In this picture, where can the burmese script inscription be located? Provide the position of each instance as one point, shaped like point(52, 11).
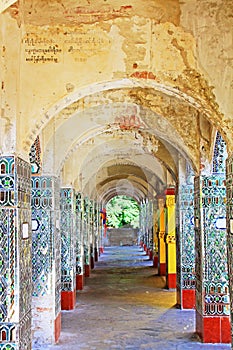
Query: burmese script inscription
point(42, 50)
point(77, 45)
point(83, 45)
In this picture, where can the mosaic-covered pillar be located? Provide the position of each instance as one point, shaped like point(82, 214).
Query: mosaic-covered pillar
point(161, 237)
point(15, 254)
point(96, 231)
point(145, 226)
point(155, 234)
point(86, 237)
point(101, 228)
point(46, 255)
point(229, 190)
point(79, 244)
point(170, 238)
point(212, 282)
point(150, 229)
point(141, 225)
point(94, 228)
point(91, 233)
point(68, 248)
point(186, 248)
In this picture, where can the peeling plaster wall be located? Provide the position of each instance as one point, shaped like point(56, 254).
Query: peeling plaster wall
point(70, 45)
point(9, 80)
point(211, 23)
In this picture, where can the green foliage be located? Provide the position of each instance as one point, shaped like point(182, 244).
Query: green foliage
point(122, 210)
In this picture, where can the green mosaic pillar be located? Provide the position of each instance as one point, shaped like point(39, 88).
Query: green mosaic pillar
point(15, 254)
point(68, 248)
point(46, 260)
point(86, 237)
point(229, 188)
point(212, 282)
point(186, 247)
point(79, 244)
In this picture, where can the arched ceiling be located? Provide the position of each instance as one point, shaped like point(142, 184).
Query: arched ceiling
point(125, 177)
point(108, 110)
point(115, 129)
point(123, 186)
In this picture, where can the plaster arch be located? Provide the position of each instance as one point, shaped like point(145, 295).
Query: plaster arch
point(126, 83)
point(90, 130)
point(113, 152)
point(120, 152)
point(122, 180)
point(112, 189)
point(138, 97)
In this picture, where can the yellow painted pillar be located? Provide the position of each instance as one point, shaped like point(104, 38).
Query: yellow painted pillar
point(161, 243)
point(171, 238)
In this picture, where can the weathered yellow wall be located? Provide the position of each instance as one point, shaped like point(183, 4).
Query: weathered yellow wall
point(66, 46)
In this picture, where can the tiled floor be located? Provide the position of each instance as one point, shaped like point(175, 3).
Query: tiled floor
point(124, 306)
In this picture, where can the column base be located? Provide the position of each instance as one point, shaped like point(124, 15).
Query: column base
point(155, 261)
point(188, 299)
point(79, 282)
point(215, 329)
point(68, 300)
point(87, 270)
point(162, 269)
point(57, 327)
point(145, 247)
point(171, 281)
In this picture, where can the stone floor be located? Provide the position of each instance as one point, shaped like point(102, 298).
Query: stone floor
point(124, 306)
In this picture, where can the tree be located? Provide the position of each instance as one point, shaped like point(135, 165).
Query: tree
point(122, 210)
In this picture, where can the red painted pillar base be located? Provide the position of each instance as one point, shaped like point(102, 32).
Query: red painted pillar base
point(87, 270)
point(68, 300)
point(171, 281)
point(188, 299)
point(79, 282)
point(145, 247)
point(57, 327)
point(101, 250)
point(155, 261)
point(92, 262)
point(216, 329)
point(162, 269)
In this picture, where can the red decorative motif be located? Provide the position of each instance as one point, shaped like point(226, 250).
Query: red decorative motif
point(143, 75)
point(129, 122)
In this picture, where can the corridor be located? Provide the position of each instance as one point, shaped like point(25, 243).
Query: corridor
point(124, 305)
